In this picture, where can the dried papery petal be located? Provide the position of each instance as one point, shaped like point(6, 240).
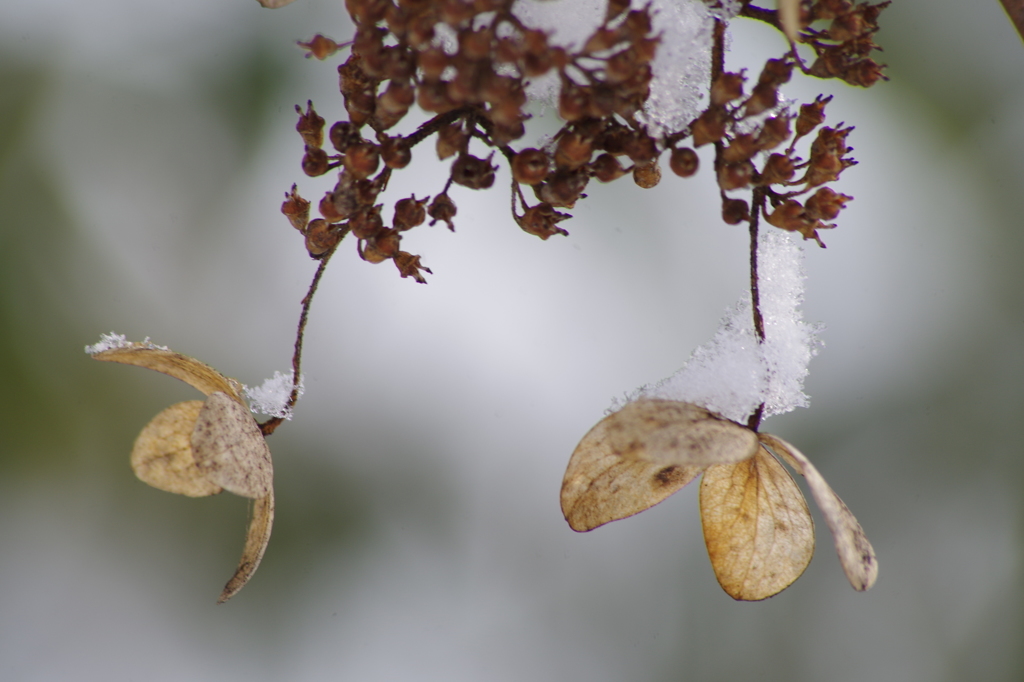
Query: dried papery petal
point(757, 528)
point(162, 456)
point(789, 17)
point(856, 555)
point(229, 448)
point(260, 523)
point(636, 457)
point(196, 374)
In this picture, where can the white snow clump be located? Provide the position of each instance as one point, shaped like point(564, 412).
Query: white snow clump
point(732, 373)
point(271, 397)
point(113, 340)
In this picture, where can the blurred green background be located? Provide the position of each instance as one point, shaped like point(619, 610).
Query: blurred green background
point(144, 151)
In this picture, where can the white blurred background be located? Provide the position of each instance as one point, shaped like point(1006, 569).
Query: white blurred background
point(144, 151)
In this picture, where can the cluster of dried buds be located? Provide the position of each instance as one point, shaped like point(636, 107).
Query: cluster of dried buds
point(732, 110)
point(842, 49)
point(467, 62)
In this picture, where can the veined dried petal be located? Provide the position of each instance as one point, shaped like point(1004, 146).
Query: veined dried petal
point(856, 555)
point(757, 528)
point(196, 374)
point(229, 448)
point(162, 455)
point(636, 457)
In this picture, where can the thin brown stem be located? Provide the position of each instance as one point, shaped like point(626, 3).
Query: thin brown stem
point(768, 16)
point(269, 426)
point(435, 124)
point(755, 290)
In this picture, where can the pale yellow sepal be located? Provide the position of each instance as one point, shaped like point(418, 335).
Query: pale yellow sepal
point(757, 528)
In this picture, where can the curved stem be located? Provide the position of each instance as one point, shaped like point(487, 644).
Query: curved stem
point(269, 426)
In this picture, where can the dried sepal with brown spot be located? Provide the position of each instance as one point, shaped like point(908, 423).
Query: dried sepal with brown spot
point(757, 528)
point(198, 448)
point(636, 457)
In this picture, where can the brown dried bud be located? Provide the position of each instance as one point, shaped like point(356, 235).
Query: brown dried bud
point(573, 150)
point(726, 88)
point(472, 172)
point(541, 220)
point(764, 97)
point(370, 253)
point(343, 134)
point(442, 208)
point(396, 99)
point(296, 209)
point(573, 102)
point(362, 159)
point(410, 266)
point(775, 72)
point(454, 12)
point(825, 204)
point(563, 187)
point(684, 162)
point(476, 44)
point(451, 140)
point(409, 213)
point(607, 168)
point(735, 175)
point(847, 27)
point(615, 139)
point(647, 176)
point(315, 162)
point(811, 115)
point(395, 152)
point(742, 148)
point(366, 223)
point(790, 215)
point(327, 209)
point(360, 106)
point(503, 134)
point(829, 9)
point(638, 23)
point(386, 242)
point(530, 166)
point(310, 125)
point(778, 169)
point(433, 61)
point(864, 73)
point(774, 132)
point(710, 127)
point(620, 67)
point(321, 237)
point(642, 149)
point(615, 8)
point(735, 211)
point(320, 47)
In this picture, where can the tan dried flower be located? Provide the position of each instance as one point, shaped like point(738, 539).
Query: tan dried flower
point(199, 448)
point(757, 528)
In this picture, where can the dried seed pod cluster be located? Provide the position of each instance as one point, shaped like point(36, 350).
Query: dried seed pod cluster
point(468, 62)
